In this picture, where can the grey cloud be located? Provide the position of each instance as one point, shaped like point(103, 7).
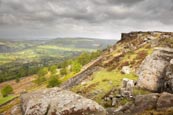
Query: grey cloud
point(83, 17)
point(117, 2)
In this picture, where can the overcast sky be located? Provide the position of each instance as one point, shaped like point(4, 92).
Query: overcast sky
point(84, 18)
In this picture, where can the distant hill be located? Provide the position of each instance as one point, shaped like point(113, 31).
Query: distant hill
point(89, 43)
point(7, 46)
point(17, 56)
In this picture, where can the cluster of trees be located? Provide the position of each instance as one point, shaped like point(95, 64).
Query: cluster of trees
point(51, 80)
point(77, 62)
point(41, 76)
point(16, 71)
point(69, 66)
point(72, 65)
point(21, 68)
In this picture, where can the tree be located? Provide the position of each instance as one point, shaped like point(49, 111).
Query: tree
point(84, 58)
point(6, 90)
point(95, 54)
point(53, 82)
point(43, 71)
point(76, 66)
point(53, 69)
point(63, 71)
point(40, 80)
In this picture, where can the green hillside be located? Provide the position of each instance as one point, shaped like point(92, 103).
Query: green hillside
point(22, 58)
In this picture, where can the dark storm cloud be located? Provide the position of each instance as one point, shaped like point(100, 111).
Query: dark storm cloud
point(92, 18)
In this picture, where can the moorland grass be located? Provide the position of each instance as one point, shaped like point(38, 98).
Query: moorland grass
point(6, 99)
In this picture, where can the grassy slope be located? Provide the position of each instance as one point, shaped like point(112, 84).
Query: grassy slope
point(6, 99)
point(102, 82)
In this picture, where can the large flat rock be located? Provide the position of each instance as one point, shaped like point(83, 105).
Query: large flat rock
point(55, 101)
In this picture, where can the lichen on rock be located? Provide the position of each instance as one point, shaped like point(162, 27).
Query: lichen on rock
point(152, 70)
point(55, 101)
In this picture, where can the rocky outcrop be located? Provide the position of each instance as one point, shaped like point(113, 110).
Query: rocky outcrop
point(142, 103)
point(168, 79)
point(127, 87)
point(153, 70)
point(55, 101)
point(114, 97)
point(145, 36)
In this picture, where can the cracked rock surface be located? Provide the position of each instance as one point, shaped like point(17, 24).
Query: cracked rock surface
point(153, 72)
point(55, 101)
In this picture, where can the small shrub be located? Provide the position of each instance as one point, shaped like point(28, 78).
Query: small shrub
point(52, 69)
point(40, 80)
point(63, 71)
point(43, 71)
point(76, 66)
point(53, 82)
point(6, 90)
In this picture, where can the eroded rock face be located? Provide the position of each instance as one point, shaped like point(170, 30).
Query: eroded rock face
point(152, 72)
point(55, 101)
point(168, 79)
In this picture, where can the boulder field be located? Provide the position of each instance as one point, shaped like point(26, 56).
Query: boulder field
point(149, 104)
